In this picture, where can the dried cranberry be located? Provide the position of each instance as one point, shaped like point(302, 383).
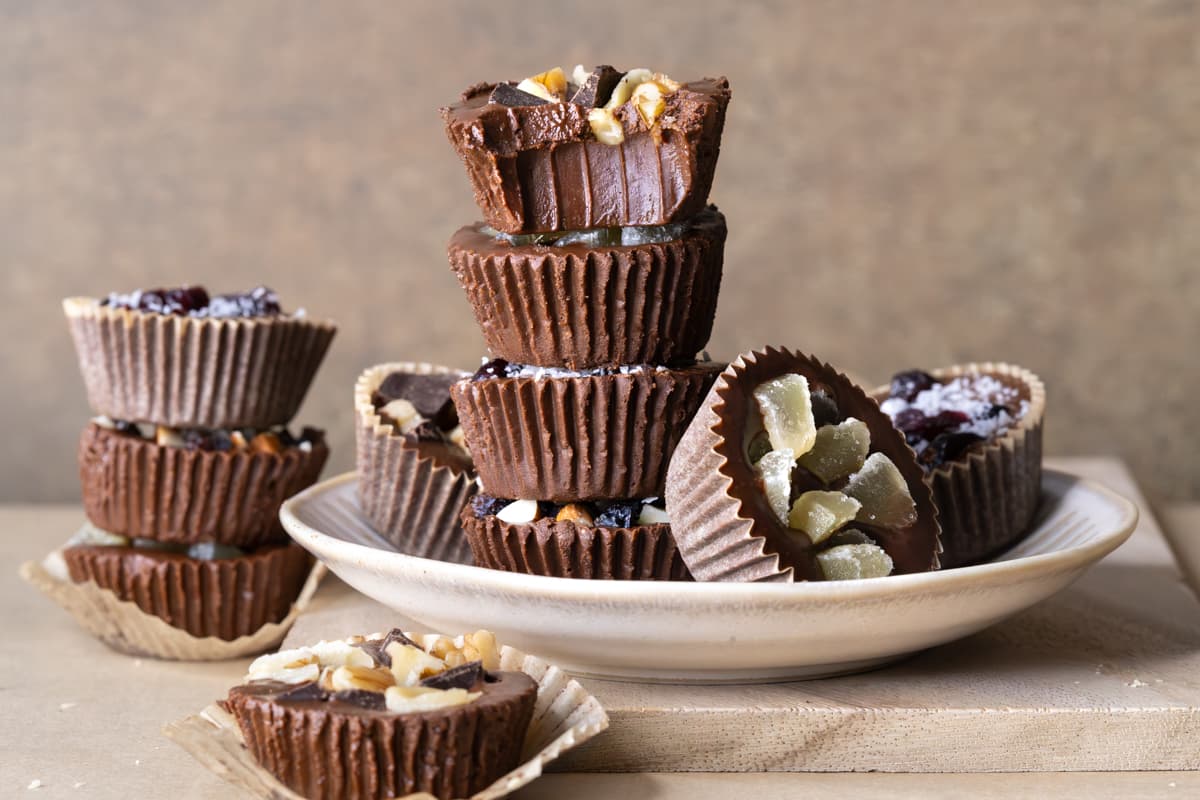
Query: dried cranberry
point(484, 505)
point(910, 383)
point(198, 440)
point(496, 368)
point(127, 428)
point(619, 514)
point(910, 422)
point(947, 447)
point(944, 422)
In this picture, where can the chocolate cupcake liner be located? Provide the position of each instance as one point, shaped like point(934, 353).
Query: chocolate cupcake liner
point(579, 438)
point(987, 499)
point(136, 488)
point(187, 372)
point(565, 716)
point(124, 626)
point(406, 496)
point(716, 507)
point(562, 549)
point(581, 307)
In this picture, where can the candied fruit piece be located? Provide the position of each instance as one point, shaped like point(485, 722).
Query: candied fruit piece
point(849, 562)
point(775, 471)
point(883, 493)
point(820, 514)
point(838, 450)
point(787, 414)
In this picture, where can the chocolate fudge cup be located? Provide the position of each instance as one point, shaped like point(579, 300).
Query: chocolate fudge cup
point(225, 598)
point(195, 372)
point(579, 437)
point(581, 307)
point(563, 549)
point(986, 499)
point(721, 519)
point(136, 488)
point(408, 493)
point(540, 168)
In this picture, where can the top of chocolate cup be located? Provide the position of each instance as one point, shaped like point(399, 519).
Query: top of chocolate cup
point(721, 519)
point(195, 372)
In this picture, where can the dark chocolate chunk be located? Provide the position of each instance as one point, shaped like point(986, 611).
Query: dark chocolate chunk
point(429, 394)
point(947, 447)
point(496, 368)
point(127, 428)
point(910, 383)
point(377, 648)
point(464, 676)
point(549, 509)
point(619, 514)
point(598, 87)
point(824, 408)
point(506, 94)
point(372, 701)
point(427, 432)
point(305, 691)
point(484, 505)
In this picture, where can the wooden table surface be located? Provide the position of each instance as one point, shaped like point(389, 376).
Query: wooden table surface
point(83, 721)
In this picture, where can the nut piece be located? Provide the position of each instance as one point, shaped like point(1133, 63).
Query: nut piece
point(819, 514)
point(883, 493)
point(605, 126)
point(166, 437)
point(775, 471)
point(652, 515)
point(403, 413)
point(519, 512)
point(410, 664)
point(649, 100)
point(369, 679)
point(848, 562)
point(624, 88)
point(401, 699)
point(838, 450)
point(266, 442)
point(574, 512)
point(551, 85)
point(287, 666)
point(238, 440)
point(341, 654)
point(484, 647)
point(787, 416)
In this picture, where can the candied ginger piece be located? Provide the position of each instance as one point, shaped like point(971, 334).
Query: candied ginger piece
point(775, 470)
point(820, 514)
point(786, 408)
point(883, 493)
point(849, 562)
point(838, 450)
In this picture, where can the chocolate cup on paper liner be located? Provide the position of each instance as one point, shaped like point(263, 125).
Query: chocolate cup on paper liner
point(539, 168)
point(188, 372)
point(406, 493)
point(579, 438)
point(721, 520)
point(987, 498)
point(125, 626)
point(136, 488)
point(564, 716)
point(562, 549)
point(579, 307)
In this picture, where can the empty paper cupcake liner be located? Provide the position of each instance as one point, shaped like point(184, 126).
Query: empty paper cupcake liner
point(136, 488)
point(409, 498)
point(565, 716)
point(580, 307)
point(187, 372)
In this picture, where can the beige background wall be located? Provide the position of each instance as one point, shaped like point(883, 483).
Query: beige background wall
point(907, 183)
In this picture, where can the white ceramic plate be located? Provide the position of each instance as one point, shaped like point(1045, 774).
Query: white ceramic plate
point(717, 632)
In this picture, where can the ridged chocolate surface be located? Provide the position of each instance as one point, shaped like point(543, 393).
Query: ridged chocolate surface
point(225, 598)
point(136, 488)
point(189, 372)
point(539, 168)
point(566, 550)
point(579, 438)
point(324, 753)
point(406, 495)
point(582, 307)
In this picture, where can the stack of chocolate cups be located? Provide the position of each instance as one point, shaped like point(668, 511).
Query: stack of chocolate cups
point(594, 282)
point(186, 464)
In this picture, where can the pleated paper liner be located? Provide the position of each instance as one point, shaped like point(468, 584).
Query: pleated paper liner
point(580, 307)
point(565, 716)
point(987, 499)
point(562, 549)
point(136, 488)
point(124, 626)
point(579, 438)
point(721, 520)
point(408, 497)
point(187, 372)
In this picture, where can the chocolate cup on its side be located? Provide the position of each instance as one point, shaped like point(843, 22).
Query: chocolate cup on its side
point(987, 498)
point(225, 598)
point(187, 372)
point(322, 753)
point(539, 168)
point(562, 549)
point(724, 526)
point(139, 489)
point(579, 438)
point(406, 493)
point(580, 307)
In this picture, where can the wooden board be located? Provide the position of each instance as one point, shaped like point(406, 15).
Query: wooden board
point(1104, 676)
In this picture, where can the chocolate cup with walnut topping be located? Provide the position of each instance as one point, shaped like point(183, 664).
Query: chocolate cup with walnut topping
point(723, 523)
point(410, 491)
point(195, 372)
point(539, 168)
point(987, 497)
point(579, 306)
point(136, 488)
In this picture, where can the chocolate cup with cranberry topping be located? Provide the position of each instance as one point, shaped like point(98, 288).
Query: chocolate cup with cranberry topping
point(410, 490)
point(136, 488)
point(195, 372)
point(564, 549)
point(986, 498)
point(721, 519)
point(579, 307)
point(589, 437)
point(539, 168)
point(225, 598)
point(323, 749)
